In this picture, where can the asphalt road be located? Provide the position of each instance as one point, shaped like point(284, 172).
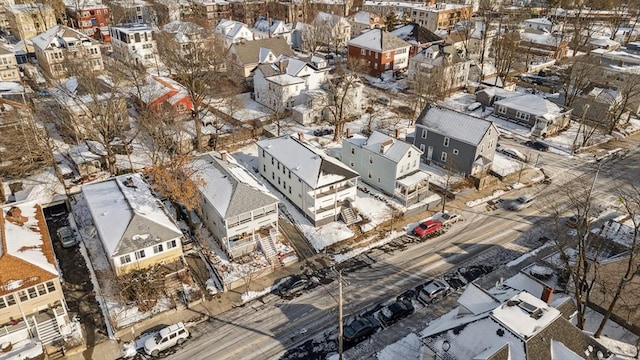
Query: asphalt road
point(264, 330)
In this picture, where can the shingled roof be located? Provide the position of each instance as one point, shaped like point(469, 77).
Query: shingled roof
point(378, 40)
point(249, 51)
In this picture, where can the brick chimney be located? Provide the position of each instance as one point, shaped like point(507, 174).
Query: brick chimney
point(547, 294)
point(348, 133)
point(300, 136)
point(223, 155)
point(282, 65)
point(397, 133)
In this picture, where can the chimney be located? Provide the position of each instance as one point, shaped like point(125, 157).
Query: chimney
point(223, 155)
point(282, 65)
point(300, 136)
point(348, 133)
point(397, 133)
point(547, 294)
point(385, 146)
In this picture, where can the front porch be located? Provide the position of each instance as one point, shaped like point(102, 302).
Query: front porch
point(412, 188)
point(43, 325)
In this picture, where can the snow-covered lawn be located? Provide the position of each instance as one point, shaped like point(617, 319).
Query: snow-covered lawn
point(565, 140)
point(504, 165)
point(326, 235)
point(250, 295)
point(355, 252)
point(374, 210)
point(244, 108)
point(483, 200)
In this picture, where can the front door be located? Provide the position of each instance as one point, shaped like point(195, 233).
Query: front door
point(429, 153)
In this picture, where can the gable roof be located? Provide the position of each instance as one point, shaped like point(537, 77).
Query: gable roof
point(57, 36)
point(26, 252)
point(330, 20)
point(229, 187)
point(250, 52)
point(230, 28)
point(378, 40)
point(415, 33)
point(395, 152)
point(532, 104)
point(128, 218)
point(454, 124)
point(309, 163)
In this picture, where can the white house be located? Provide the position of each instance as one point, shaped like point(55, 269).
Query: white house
point(133, 226)
point(233, 31)
point(280, 84)
point(387, 164)
point(441, 64)
point(266, 28)
point(133, 42)
point(332, 30)
point(317, 184)
point(317, 104)
point(542, 24)
point(237, 208)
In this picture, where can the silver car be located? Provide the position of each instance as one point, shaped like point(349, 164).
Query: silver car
point(66, 236)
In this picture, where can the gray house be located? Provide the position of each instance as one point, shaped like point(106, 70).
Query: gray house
point(461, 142)
point(387, 164)
point(543, 116)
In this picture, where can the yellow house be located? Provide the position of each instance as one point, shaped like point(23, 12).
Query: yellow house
point(31, 300)
point(8, 65)
point(135, 230)
point(28, 20)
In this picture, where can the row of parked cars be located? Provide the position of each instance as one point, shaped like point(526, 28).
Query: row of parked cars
point(436, 224)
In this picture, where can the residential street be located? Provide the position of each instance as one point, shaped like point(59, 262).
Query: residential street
point(264, 330)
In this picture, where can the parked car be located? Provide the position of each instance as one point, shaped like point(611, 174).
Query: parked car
point(427, 228)
point(293, 285)
point(166, 338)
point(396, 311)
point(322, 132)
point(522, 202)
point(360, 329)
point(575, 221)
point(433, 291)
point(447, 219)
point(473, 106)
point(383, 101)
point(66, 236)
point(513, 153)
point(538, 145)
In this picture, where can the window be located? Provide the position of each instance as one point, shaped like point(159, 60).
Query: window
point(140, 254)
point(32, 293)
point(502, 110)
point(273, 176)
point(351, 163)
point(3, 304)
point(171, 244)
point(422, 147)
point(51, 286)
point(370, 159)
point(264, 168)
point(446, 142)
point(278, 180)
point(376, 55)
point(424, 133)
point(157, 249)
point(362, 52)
point(353, 151)
point(369, 174)
point(387, 55)
point(522, 116)
point(263, 152)
point(289, 189)
point(41, 289)
point(409, 155)
point(443, 156)
point(125, 259)
point(378, 180)
point(11, 300)
point(455, 152)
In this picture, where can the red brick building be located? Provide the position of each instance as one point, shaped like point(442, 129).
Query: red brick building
point(163, 94)
point(91, 19)
point(379, 51)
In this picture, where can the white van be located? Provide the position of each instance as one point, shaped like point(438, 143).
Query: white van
point(167, 337)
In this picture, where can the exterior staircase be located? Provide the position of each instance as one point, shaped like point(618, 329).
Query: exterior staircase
point(48, 332)
point(269, 249)
point(348, 216)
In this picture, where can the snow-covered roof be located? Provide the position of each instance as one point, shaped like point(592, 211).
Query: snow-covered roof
point(621, 232)
point(525, 315)
point(59, 36)
point(43, 188)
point(413, 178)
point(531, 104)
point(183, 31)
point(309, 163)
point(26, 252)
point(363, 17)
point(395, 149)
point(603, 42)
point(229, 187)
point(541, 21)
point(233, 29)
point(455, 125)
point(541, 39)
point(156, 87)
point(330, 20)
point(131, 28)
point(477, 301)
point(560, 351)
point(127, 216)
point(378, 40)
point(87, 150)
point(285, 80)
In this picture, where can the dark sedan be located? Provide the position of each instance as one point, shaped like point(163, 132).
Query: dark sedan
point(293, 285)
point(396, 311)
point(360, 329)
point(538, 145)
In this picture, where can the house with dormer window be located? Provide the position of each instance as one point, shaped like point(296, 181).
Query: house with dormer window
point(245, 56)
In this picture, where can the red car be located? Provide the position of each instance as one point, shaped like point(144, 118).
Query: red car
point(427, 228)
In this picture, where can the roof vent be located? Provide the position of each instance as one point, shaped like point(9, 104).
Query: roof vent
point(500, 332)
point(128, 182)
point(513, 302)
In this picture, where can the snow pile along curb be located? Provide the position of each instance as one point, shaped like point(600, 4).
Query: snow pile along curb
point(473, 203)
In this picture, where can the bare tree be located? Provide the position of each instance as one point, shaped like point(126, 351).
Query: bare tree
point(311, 38)
point(576, 78)
point(341, 88)
point(629, 92)
point(178, 181)
point(199, 67)
point(506, 53)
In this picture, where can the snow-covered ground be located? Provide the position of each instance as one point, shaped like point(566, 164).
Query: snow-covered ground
point(242, 107)
point(504, 165)
point(373, 210)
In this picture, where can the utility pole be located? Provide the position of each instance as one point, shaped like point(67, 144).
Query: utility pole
point(340, 345)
